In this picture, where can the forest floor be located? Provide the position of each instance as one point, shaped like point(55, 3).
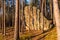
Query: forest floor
point(49, 35)
point(37, 35)
point(52, 35)
point(1, 37)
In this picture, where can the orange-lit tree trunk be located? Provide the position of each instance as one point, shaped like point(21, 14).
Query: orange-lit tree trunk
point(57, 18)
point(16, 32)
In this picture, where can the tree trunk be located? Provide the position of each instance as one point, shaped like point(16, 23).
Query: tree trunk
point(23, 17)
point(16, 33)
point(4, 16)
point(57, 18)
point(51, 8)
point(42, 27)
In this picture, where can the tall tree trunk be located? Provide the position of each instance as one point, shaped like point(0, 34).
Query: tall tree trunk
point(12, 14)
point(57, 18)
point(23, 17)
point(16, 33)
point(42, 27)
point(4, 16)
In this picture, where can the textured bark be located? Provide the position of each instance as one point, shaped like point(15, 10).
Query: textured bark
point(57, 17)
point(16, 32)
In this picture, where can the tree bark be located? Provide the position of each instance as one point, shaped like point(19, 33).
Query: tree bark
point(42, 24)
point(57, 18)
point(16, 33)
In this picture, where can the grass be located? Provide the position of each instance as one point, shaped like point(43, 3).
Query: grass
point(52, 35)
